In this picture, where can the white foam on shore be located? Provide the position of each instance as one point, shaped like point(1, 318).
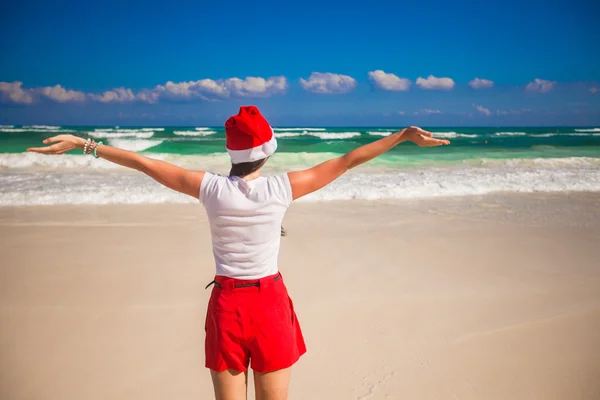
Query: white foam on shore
point(34, 161)
point(69, 162)
point(121, 186)
point(31, 178)
point(279, 161)
point(588, 130)
point(586, 162)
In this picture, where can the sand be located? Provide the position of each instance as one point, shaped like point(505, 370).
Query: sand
point(492, 297)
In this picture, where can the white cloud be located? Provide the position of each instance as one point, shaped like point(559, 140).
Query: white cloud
point(482, 110)
point(256, 87)
point(202, 89)
point(401, 112)
point(207, 89)
point(388, 81)
point(118, 95)
point(594, 90)
point(60, 94)
point(513, 111)
point(328, 83)
point(540, 85)
point(427, 111)
point(149, 96)
point(478, 83)
point(433, 83)
point(13, 92)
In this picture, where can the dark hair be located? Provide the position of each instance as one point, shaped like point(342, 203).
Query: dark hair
point(246, 168)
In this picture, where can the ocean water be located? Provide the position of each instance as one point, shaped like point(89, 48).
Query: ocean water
point(479, 161)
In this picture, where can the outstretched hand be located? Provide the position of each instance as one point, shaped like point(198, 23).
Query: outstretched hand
point(62, 144)
point(423, 138)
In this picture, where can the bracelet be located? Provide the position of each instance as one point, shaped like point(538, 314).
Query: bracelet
point(96, 149)
point(86, 145)
point(92, 147)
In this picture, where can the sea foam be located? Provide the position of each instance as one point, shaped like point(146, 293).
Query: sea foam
point(450, 135)
point(121, 133)
point(334, 135)
point(47, 187)
point(134, 145)
point(510, 134)
point(283, 135)
point(588, 130)
point(380, 133)
point(318, 134)
point(197, 132)
point(36, 130)
point(36, 161)
point(299, 129)
point(46, 127)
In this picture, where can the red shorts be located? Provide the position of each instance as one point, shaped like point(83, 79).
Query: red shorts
point(249, 324)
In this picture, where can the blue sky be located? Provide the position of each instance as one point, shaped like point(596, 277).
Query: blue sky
point(311, 62)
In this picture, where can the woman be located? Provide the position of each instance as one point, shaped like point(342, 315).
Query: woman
point(250, 319)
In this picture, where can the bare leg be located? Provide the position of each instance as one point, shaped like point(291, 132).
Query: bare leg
point(230, 384)
point(272, 385)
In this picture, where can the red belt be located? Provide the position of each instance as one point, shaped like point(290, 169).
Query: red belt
point(242, 285)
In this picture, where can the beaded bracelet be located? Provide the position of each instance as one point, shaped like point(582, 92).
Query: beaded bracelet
point(96, 149)
point(86, 145)
point(91, 147)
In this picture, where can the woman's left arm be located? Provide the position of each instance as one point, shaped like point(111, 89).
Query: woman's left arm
point(171, 176)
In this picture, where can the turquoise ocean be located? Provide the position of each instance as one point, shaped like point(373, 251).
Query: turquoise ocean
point(478, 161)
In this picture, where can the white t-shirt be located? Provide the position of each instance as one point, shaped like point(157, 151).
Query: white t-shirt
point(245, 222)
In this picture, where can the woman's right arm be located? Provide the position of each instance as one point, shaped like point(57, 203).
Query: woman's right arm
point(315, 178)
point(174, 177)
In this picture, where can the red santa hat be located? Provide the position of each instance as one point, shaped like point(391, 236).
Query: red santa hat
point(249, 136)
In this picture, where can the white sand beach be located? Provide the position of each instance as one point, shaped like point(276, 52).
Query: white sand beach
point(493, 297)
